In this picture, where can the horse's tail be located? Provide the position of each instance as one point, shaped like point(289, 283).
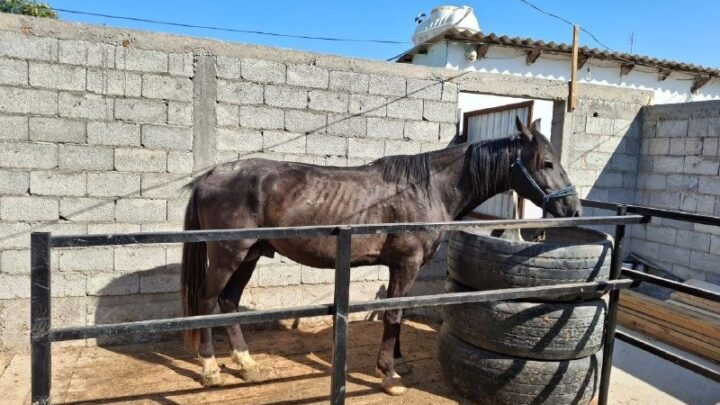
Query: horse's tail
point(194, 266)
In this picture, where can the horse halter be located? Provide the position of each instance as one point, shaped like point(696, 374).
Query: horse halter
point(546, 197)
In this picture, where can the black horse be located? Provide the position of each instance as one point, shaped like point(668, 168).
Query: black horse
point(435, 186)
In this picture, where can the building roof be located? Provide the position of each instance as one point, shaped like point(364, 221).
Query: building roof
point(585, 53)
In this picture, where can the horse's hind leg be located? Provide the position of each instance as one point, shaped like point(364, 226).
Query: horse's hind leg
point(229, 301)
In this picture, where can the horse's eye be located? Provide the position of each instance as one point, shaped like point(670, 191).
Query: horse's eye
point(548, 164)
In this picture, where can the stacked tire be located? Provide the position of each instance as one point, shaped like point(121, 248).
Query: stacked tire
point(531, 351)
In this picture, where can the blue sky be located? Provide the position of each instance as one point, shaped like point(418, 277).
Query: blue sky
point(686, 31)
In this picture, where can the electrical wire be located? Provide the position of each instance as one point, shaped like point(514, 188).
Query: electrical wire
point(235, 30)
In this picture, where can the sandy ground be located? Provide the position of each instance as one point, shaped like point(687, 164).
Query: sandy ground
point(296, 370)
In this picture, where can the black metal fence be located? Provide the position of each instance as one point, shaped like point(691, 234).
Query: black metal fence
point(42, 334)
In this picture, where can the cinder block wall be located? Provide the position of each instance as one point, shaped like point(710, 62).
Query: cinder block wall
point(679, 171)
point(100, 128)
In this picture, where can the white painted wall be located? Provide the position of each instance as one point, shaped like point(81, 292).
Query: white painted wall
point(542, 109)
point(674, 89)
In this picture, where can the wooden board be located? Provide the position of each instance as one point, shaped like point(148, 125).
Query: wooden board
point(701, 303)
point(684, 317)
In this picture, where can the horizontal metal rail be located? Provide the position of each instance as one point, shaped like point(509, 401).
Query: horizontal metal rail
point(329, 230)
point(207, 321)
point(657, 212)
point(674, 285)
point(668, 355)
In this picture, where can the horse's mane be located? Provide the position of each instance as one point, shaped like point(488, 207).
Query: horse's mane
point(410, 168)
point(487, 162)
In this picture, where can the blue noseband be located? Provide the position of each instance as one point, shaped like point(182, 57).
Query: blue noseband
point(545, 197)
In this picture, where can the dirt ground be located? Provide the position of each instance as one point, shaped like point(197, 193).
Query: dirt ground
point(296, 370)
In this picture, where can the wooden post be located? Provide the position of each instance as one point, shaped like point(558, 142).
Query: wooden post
point(573, 72)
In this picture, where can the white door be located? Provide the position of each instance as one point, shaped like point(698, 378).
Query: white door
point(493, 123)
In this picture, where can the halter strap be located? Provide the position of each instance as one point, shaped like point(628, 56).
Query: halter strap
point(546, 197)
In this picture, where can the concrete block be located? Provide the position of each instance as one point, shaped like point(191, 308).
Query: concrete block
point(167, 137)
point(113, 228)
point(244, 140)
point(227, 115)
point(658, 146)
point(180, 162)
point(624, 162)
point(674, 255)
point(167, 87)
point(321, 100)
point(693, 240)
point(57, 183)
point(405, 108)
point(599, 125)
point(14, 128)
point(366, 148)
point(89, 106)
point(683, 182)
point(87, 209)
point(693, 146)
point(113, 284)
point(86, 54)
point(672, 129)
point(450, 92)
point(282, 275)
point(76, 157)
point(369, 105)
point(135, 210)
point(284, 142)
point(181, 64)
point(61, 130)
point(668, 164)
point(14, 286)
point(308, 76)
point(159, 282)
point(163, 185)
point(709, 185)
point(140, 160)
point(15, 262)
point(262, 71)
point(426, 89)
point(661, 199)
point(654, 181)
point(113, 134)
point(609, 179)
point(710, 146)
point(61, 77)
point(86, 259)
point(142, 60)
point(432, 146)
point(349, 81)
point(702, 165)
point(134, 258)
point(402, 147)
point(13, 72)
point(28, 208)
point(284, 96)
point(305, 121)
point(448, 132)
point(661, 234)
point(424, 131)
point(141, 110)
point(176, 210)
point(114, 82)
point(311, 275)
point(387, 85)
point(14, 182)
point(347, 125)
point(704, 128)
point(327, 145)
point(704, 261)
point(440, 111)
point(383, 128)
point(180, 113)
point(28, 101)
point(227, 67)
point(27, 46)
point(261, 117)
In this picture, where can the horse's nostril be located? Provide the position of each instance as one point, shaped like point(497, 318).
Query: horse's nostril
point(576, 214)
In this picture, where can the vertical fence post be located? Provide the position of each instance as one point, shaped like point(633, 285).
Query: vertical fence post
point(615, 269)
point(40, 317)
point(340, 315)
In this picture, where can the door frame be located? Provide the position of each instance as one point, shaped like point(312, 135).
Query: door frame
point(464, 138)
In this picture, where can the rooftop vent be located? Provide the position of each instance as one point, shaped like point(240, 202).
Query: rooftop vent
point(442, 19)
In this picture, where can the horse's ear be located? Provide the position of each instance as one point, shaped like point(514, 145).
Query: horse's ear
point(535, 126)
point(524, 131)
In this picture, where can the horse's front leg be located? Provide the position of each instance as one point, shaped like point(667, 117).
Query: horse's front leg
point(401, 278)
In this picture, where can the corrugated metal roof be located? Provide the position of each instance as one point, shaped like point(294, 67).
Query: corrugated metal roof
point(552, 47)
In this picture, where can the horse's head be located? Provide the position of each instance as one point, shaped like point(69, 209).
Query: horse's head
point(537, 175)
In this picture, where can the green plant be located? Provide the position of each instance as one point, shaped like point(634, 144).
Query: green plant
point(27, 7)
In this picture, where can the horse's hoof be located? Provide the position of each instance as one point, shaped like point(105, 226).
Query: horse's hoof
point(212, 379)
point(392, 385)
point(251, 374)
point(401, 366)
